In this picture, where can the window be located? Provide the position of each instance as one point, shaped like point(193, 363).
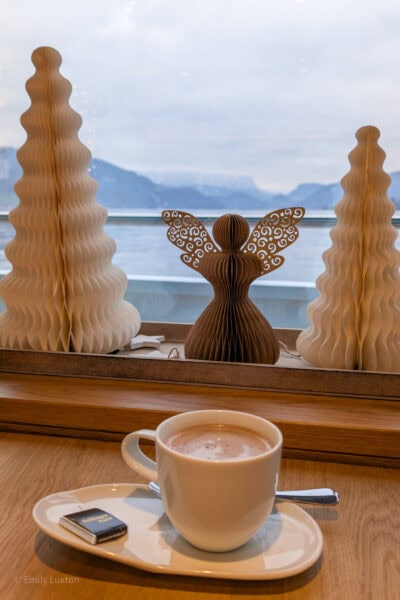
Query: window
point(212, 106)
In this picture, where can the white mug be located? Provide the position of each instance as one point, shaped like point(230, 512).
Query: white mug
point(216, 505)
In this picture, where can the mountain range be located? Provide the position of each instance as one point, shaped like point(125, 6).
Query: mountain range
point(123, 190)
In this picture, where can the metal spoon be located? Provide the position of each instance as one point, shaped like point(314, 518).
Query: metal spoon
point(316, 496)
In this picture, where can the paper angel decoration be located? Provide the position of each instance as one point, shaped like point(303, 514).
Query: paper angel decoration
point(231, 328)
point(63, 293)
point(355, 322)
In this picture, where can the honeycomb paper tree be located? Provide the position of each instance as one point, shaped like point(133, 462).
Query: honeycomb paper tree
point(355, 322)
point(63, 293)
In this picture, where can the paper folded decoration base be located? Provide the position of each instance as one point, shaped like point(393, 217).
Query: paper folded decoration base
point(232, 328)
point(63, 293)
point(355, 322)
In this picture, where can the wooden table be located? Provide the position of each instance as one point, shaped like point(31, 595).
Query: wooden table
point(360, 561)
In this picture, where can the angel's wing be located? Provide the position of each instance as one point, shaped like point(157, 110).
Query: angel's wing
point(190, 235)
point(274, 233)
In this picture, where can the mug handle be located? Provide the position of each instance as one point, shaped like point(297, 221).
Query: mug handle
point(135, 458)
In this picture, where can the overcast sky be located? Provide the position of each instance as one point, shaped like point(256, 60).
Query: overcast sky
point(274, 89)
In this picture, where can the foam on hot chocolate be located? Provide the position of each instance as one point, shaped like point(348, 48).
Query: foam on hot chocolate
point(218, 442)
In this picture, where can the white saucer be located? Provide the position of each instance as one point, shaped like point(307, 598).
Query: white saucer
point(288, 543)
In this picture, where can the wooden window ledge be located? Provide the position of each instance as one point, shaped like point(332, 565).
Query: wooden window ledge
point(320, 427)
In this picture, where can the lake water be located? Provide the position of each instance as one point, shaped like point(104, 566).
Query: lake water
point(163, 288)
point(144, 251)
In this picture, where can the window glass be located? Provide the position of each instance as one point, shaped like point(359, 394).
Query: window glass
point(211, 106)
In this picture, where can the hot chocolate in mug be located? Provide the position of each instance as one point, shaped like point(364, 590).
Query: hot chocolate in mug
point(217, 470)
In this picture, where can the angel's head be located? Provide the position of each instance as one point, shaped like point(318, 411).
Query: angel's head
point(230, 232)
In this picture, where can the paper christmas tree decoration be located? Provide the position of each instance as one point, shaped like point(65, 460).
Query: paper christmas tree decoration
point(232, 328)
point(63, 293)
point(355, 321)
